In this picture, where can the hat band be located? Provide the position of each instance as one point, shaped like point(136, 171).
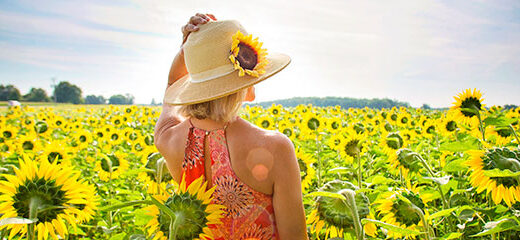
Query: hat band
point(212, 73)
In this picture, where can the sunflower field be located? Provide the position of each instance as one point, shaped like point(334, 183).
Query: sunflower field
point(401, 173)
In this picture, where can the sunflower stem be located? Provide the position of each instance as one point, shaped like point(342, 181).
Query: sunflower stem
point(174, 225)
point(423, 219)
point(445, 202)
point(319, 160)
point(360, 177)
point(481, 126)
point(514, 133)
point(34, 203)
point(350, 195)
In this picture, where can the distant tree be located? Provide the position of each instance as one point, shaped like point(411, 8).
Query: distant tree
point(120, 99)
point(509, 106)
point(9, 92)
point(93, 99)
point(66, 92)
point(36, 95)
point(426, 106)
point(153, 102)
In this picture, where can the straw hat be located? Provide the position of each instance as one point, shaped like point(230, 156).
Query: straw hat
point(221, 59)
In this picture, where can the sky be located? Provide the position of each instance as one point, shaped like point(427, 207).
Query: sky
point(420, 52)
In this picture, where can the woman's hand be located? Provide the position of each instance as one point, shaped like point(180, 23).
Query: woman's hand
point(191, 26)
point(178, 68)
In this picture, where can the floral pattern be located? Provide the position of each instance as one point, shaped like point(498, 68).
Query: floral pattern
point(249, 213)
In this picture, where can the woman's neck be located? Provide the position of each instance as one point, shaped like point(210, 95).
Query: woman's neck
point(210, 124)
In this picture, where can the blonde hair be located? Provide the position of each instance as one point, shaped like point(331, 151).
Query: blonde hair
point(221, 109)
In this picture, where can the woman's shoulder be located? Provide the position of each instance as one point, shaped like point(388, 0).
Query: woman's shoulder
point(271, 139)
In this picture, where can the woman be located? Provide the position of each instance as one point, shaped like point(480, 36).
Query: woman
point(255, 171)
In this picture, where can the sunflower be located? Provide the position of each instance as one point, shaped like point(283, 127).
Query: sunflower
point(334, 125)
point(247, 55)
point(312, 123)
point(265, 122)
point(62, 199)
point(353, 146)
point(193, 202)
point(287, 128)
point(275, 110)
point(484, 166)
point(56, 151)
point(392, 142)
point(448, 124)
point(28, 142)
point(499, 135)
point(467, 105)
point(334, 215)
point(8, 132)
point(397, 208)
point(307, 172)
point(403, 119)
point(110, 166)
point(335, 141)
point(82, 139)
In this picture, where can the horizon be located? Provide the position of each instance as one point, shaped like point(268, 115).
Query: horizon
point(425, 52)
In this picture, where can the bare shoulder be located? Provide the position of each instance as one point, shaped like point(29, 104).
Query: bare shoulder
point(171, 139)
point(276, 142)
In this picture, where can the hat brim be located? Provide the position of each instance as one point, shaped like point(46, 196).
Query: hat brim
point(184, 92)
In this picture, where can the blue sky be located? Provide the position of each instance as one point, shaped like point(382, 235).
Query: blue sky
point(413, 51)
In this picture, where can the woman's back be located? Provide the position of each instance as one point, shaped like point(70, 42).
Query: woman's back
point(240, 157)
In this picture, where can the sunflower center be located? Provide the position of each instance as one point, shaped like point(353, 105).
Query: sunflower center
point(430, 129)
point(247, 56)
point(27, 145)
point(49, 195)
point(192, 211)
point(471, 102)
point(265, 123)
point(313, 123)
point(8, 134)
point(404, 120)
point(105, 165)
point(504, 132)
point(82, 138)
point(359, 127)
point(334, 125)
point(393, 116)
point(352, 148)
point(54, 156)
point(303, 168)
point(451, 126)
point(287, 132)
point(394, 141)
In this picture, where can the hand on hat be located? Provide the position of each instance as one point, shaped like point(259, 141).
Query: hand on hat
point(191, 26)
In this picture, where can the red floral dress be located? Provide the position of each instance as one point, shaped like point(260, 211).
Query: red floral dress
point(249, 213)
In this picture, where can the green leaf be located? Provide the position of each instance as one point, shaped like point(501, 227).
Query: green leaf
point(340, 170)
point(17, 220)
point(137, 237)
point(442, 213)
point(456, 166)
point(125, 204)
point(391, 227)
point(439, 180)
point(164, 208)
point(469, 143)
point(501, 173)
point(119, 236)
point(380, 180)
point(141, 218)
point(499, 121)
point(453, 235)
point(497, 226)
point(326, 194)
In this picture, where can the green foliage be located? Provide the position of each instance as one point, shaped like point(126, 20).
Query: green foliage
point(120, 99)
point(93, 99)
point(36, 95)
point(66, 92)
point(339, 101)
point(9, 92)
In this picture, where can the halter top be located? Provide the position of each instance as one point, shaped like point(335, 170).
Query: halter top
point(249, 214)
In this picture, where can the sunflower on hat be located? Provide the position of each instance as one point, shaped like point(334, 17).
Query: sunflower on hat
point(247, 55)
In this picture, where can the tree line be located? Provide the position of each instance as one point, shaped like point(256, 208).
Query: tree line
point(64, 92)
